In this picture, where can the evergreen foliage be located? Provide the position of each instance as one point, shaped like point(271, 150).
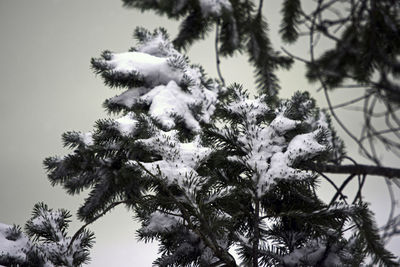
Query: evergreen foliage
point(241, 28)
point(214, 170)
point(217, 177)
point(353, 45)
point(291, 18)
point(45, 243)
point(359, 44)
point(367, 50)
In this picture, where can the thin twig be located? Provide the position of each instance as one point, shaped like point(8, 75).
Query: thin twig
point(343, 197)
point(360, 186)
point(339, 192)
point(217, 54)
point(355, 100)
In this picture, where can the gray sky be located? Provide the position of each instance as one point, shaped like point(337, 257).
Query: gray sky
point(47, 88)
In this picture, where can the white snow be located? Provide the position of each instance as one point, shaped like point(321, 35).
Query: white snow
point(303, 146)
point(281, 124)
point(14, 248)
point(129, 97)
point(164, 71)
point(179, 160)
point(156, 44)
point(50, 222)
point(269, 155)
point(248, 108)
point(47, 221)
point(155, 70)
point(126, 124)
point(161, 222)
point(311, 253)
point(167, 101)
point(87, 138)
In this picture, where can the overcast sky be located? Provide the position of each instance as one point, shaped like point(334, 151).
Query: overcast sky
point(47, 88)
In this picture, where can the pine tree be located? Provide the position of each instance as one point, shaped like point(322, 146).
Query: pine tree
point(207, 169)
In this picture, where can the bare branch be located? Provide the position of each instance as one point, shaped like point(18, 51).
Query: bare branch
point(354, 169)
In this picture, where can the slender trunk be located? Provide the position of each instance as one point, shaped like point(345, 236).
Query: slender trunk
point(256, 236)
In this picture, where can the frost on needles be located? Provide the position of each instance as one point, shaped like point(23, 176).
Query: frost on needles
point(208, 170)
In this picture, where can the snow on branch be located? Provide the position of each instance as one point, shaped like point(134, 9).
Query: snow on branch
point(271, 149)
point(14, 245)
point(161, 79)
point(179, 159)
point(46, 242)
point(49, 227)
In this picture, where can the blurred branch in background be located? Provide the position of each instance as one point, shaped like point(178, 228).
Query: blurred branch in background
point(363, 37)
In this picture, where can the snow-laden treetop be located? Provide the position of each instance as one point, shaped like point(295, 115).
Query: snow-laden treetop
point(160, 80)
point(183, 149)
point(273, 138)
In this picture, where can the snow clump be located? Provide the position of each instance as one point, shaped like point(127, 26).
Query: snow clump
point(160, 78)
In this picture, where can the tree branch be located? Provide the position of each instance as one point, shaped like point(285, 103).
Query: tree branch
point(217, 53)
point(80, 230)
point(354, 169)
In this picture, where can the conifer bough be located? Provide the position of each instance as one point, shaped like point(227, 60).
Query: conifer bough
point(216, 177)
point(208, 170)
